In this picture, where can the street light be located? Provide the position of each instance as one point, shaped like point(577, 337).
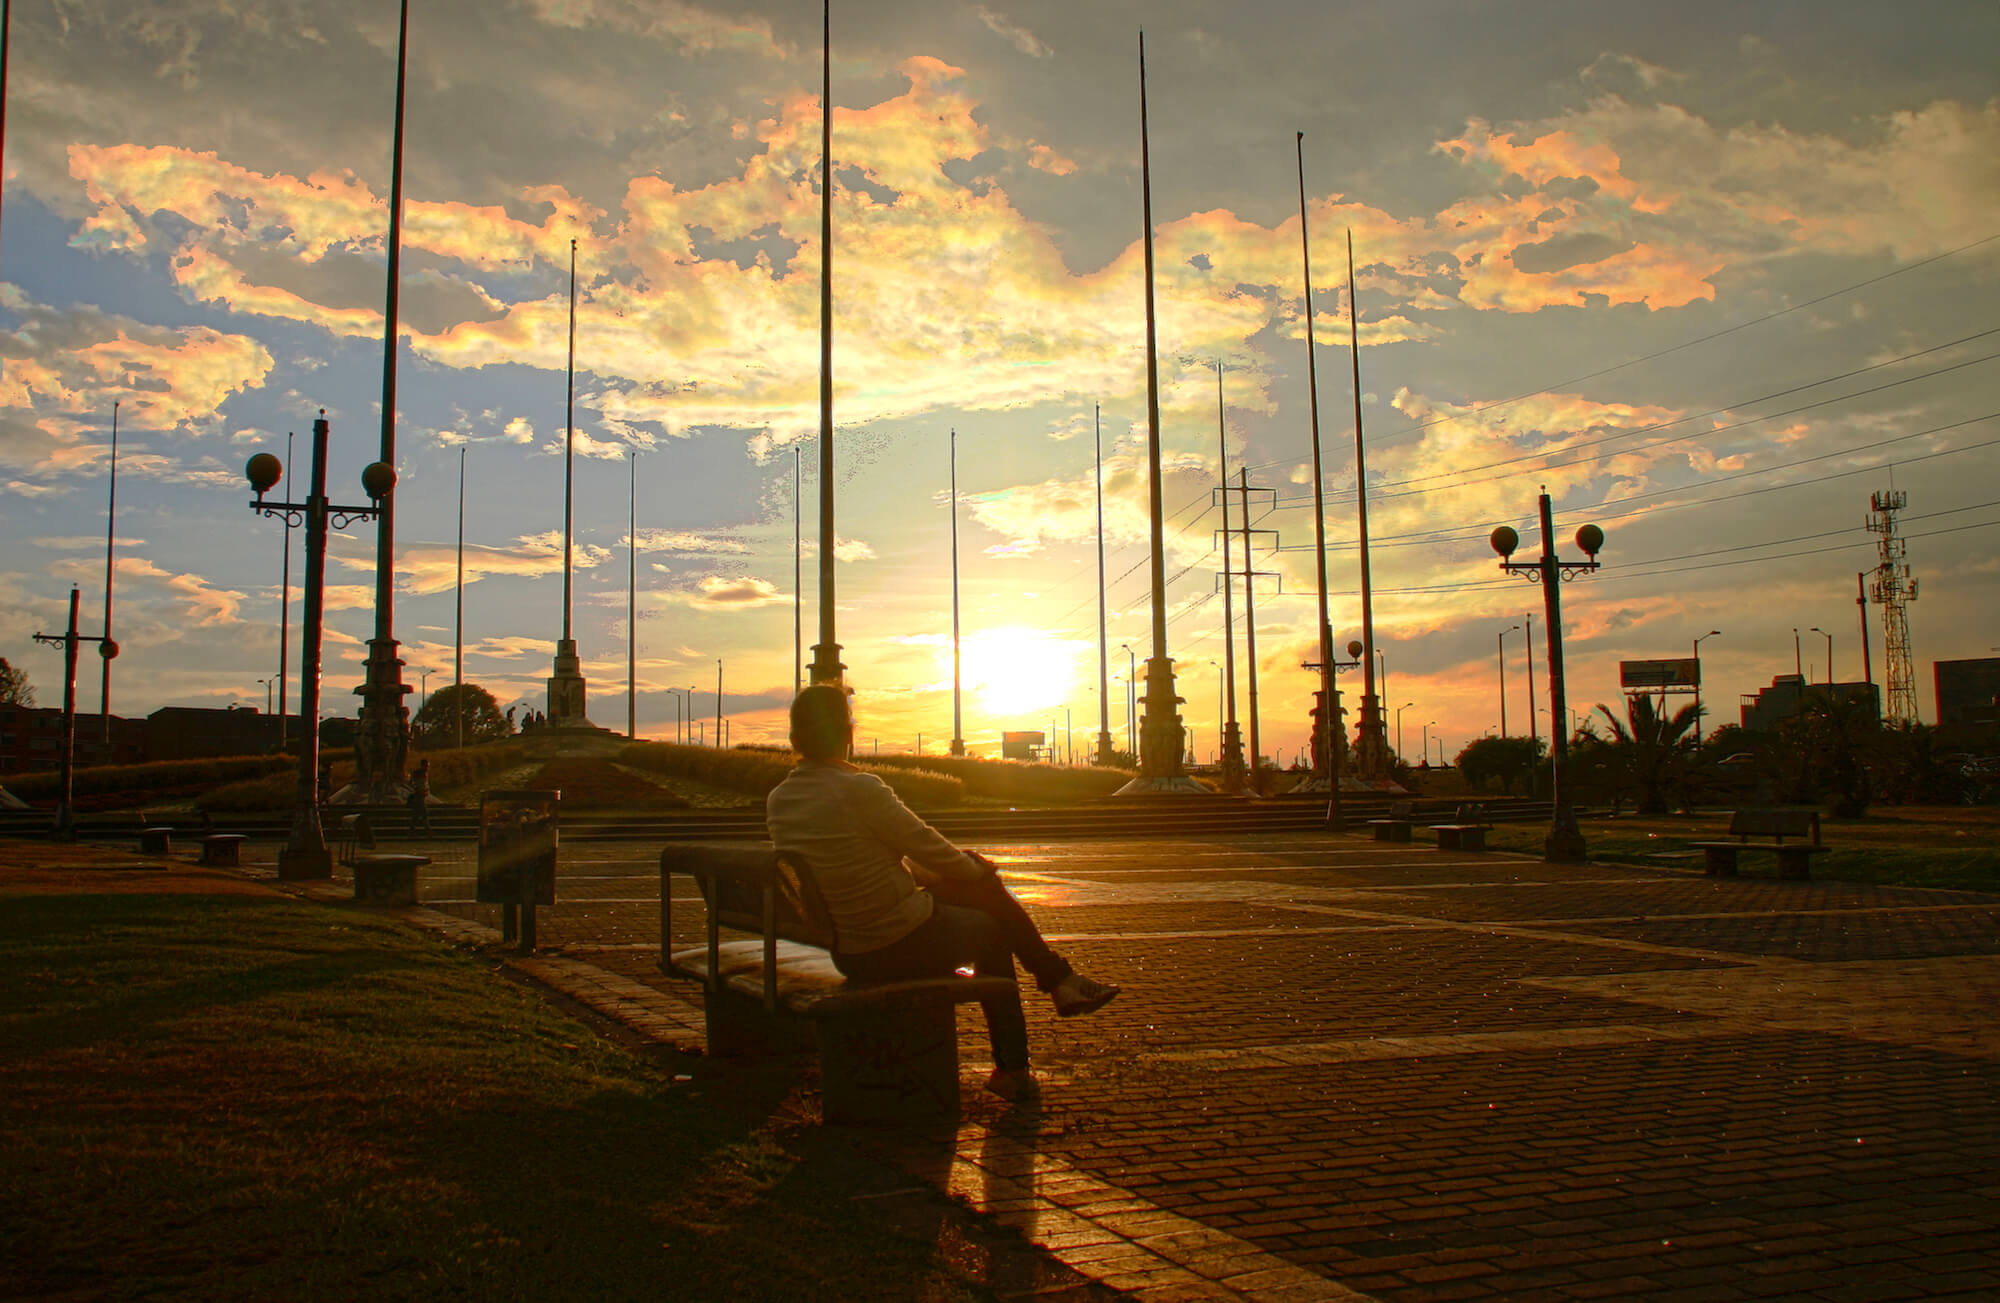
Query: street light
point(1565, 839)
point(1712, 633)
point(1131, 698)
point(1427, 740)
point(267, 695)
point(1501, 644)
point(1399, 730)
point(305, 854)
point(65, 821)
point(1829, 653)
point(424, 698)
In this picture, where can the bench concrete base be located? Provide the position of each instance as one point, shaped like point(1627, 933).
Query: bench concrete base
point(222, 850)
point(1794, 862)
point(156, 841)
point(1460, 836)
point(1391, 830)
point(888, 1050)
point(387, 879)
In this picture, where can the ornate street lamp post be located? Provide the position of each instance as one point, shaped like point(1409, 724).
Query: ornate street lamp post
point(1829, 652)
point(305, 854)
point(1500, 644)
point(1565, 840)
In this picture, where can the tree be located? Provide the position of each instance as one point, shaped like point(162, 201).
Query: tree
point(15, 690)
point(1832, 736)
point(1504, 758)
point(436, 725)
point(1649, 750)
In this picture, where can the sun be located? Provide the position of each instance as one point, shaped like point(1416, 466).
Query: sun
point(1016, 675)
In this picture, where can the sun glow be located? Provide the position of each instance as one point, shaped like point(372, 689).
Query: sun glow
point(1013, 673)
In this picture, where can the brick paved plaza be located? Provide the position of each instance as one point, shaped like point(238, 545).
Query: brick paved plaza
point(1342, 1069)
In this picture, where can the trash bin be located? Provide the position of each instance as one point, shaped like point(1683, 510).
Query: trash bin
point(517, 855)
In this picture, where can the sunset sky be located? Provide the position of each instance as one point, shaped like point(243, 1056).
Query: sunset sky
point(1711, 278)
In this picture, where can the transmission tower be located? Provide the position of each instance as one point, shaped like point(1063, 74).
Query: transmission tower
point(1893, 590)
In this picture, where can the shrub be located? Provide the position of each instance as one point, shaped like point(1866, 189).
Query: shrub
point(593, 783)
point(152, 781)
point(1015, 781)
point(466, 765)
point(757, 771)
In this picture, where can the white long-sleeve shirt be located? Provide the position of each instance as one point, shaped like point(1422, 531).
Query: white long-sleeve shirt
point(854, 834)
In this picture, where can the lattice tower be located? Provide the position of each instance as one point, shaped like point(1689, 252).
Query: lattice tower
point(1893, 590)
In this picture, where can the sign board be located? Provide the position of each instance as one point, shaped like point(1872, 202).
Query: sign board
point(1683, 674)
point(517, 847)
point(1020, 746)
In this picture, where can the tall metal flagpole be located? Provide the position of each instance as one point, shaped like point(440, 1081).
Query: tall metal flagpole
point(826, 666)
point(110, 536)
point(1161, 738)
point(957, 722)
point(285, 612)
point(566, 685)
point(385, 718)
point(1370, 746)
point(1103, 639)
point(798, 591)
point(1327, 737)
point(1232, 736)
point(6, 25)
point(632, 602)
point(458, 609)
point(1250, 632)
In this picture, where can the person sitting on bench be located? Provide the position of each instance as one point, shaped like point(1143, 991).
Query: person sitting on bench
point(905, 901)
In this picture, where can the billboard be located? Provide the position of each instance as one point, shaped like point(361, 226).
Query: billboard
point(1020, 746)
point(1683, 674)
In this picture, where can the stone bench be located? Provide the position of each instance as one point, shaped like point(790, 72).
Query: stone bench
point(1466, 831)
point(156, 841)
point(1794, 857)
point(888, 1050)
point(1395, 828)
point(387, 879)
point(222, 850)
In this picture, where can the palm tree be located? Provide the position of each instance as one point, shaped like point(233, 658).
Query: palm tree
point(1650, 748)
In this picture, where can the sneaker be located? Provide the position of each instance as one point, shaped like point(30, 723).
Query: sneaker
point(1077, 994)
point(1013, 1084)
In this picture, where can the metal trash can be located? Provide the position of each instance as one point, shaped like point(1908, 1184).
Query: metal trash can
point(517, 856)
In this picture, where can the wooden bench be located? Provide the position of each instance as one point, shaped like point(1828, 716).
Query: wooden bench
point(222, 850)
point(1794, 857)
point(387, 879)
point(156, 841)
point(1466, 831)
point(1395, 828)
point(354, 834)
point(888, 1050)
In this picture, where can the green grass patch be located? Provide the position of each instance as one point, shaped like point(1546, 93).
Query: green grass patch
point(593, 783)
point(251, 1098)
point(107, 787)
point(1954, 847)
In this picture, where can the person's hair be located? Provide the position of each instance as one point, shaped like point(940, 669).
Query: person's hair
point(821, 722)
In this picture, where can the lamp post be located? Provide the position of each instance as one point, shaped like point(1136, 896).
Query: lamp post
point(65, 824)
point(1103, 656)
point(1712, 633)
point(1798, 661)
point(1502, 644)
point(1427, 741)
point(1565, 840)
point(267, 695)
point(1131, 699)
point(718, 701)
point(1829, 653)
point(1399, 729)
point(957, 718)
point(305, 854)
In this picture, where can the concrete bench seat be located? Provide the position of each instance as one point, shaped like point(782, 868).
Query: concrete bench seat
point(222, 850)
point(1396, 827)
point(1794, 857)
point(1466, 831)
point(888, 1050)
point(387, 879)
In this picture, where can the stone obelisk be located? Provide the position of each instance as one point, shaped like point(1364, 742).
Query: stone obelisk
point(566, 686)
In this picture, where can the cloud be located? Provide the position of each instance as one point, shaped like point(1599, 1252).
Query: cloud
point(691, 27)
point(717, 593)
point(689, 543)
point(200, 603)
point(64, 368)
point(1022, 39)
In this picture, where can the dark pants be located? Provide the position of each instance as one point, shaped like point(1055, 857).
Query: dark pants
point(978, 923)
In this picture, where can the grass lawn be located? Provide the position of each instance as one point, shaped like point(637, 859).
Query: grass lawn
point(237, 1095)
point(1913, 846)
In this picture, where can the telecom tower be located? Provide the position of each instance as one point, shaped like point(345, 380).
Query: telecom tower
point(1893, 590)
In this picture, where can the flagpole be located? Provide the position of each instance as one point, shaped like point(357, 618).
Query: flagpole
point(1326, 751)
point(826, 667)
point(458, 613)
point(110, 535)
point(1103, 638)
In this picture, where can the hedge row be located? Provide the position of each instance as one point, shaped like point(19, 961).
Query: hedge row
point(142, 781)
point(1016, 781)
point(756, 771)
point(463, 765)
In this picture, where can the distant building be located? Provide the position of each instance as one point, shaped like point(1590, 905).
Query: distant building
point(1789, 694)
point(31, 740)
point(1968, 692)
point(189, 732)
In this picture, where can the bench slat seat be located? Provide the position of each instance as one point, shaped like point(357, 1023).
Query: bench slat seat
point(1466, 832)
point(1396, 827)
point(888, 1050)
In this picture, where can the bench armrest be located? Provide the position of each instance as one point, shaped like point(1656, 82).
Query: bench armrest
point(720, 871)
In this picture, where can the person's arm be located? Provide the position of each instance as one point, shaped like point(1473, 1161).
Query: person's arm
point(898, 827)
